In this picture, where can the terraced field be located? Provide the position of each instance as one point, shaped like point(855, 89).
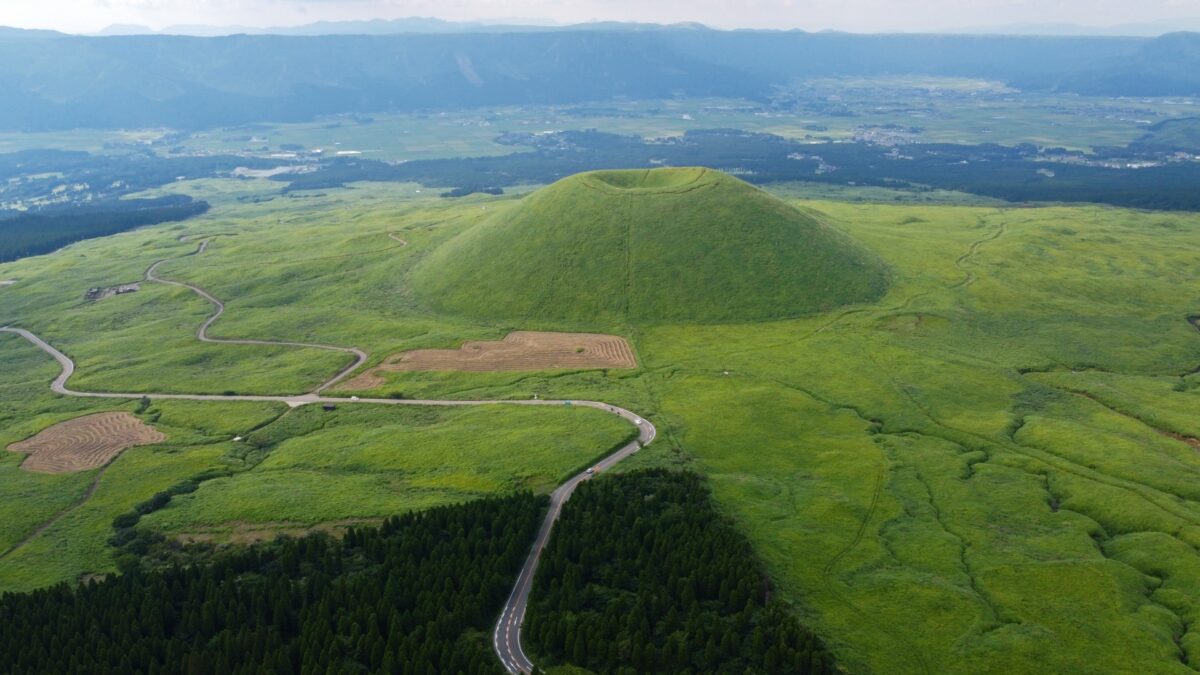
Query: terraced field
point(518, 351)
point(84, 443)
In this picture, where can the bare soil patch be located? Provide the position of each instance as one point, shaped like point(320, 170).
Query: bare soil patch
point(1194, 442)
point(520, 350)
point(102, 293)
point(84, 443)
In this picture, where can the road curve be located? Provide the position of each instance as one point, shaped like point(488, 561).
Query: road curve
point(506, 638)
point(360, 356)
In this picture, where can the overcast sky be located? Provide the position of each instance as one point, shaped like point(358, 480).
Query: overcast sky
point(852, 15)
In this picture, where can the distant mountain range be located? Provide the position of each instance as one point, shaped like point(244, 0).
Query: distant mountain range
point(431, 25)
point(373, 27)
point(1143, 29)
point(388, 27)
point(56, 81)
point(434, 25)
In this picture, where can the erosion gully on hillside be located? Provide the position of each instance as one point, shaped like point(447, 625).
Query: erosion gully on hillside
point(507, 635)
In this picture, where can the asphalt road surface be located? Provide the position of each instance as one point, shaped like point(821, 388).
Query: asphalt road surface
point(507, 636)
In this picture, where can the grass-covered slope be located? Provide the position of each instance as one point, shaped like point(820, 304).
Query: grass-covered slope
point(660, 245)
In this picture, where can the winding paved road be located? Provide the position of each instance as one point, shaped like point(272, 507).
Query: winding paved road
point(507, 636)
point(202, 332)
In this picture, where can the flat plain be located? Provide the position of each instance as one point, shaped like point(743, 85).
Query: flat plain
point(989, 469)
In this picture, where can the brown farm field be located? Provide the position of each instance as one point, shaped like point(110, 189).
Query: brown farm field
point(519, 350)
point(85, 442)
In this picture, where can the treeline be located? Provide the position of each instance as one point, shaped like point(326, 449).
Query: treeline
point(76, 178)
point(416, 595)
point(642, 575)
point(1022, 173)
point(29, 234)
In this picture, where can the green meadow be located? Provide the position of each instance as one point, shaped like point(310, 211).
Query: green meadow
point(987, 469)
point(373, 462)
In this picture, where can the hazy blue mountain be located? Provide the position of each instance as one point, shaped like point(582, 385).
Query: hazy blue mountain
point(1141, 29)
point(373, 27)
point(416, 24)
point(195, 82)
point(7, 33)
point(59, 81)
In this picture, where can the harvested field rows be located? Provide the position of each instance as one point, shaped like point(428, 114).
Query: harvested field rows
point(520, 350)
point(84, 443)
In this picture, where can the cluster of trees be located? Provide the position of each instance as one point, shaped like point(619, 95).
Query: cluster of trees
point(28, 175)
point(1011, 173)
point(35, 233)
point(416, 595)
point(51, 198)
point(642, 575)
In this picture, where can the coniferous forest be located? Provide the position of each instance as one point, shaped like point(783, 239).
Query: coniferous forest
point(642, 575)
point(416, 595)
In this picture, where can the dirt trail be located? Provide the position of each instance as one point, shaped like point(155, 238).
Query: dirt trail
point(969, 276)
point(58, 516)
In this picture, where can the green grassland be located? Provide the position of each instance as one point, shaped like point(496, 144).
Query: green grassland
point(367, 463)
point(651, 246)
point(293, 470)
point(53, 530)
point(921, 494)
point(985, 470)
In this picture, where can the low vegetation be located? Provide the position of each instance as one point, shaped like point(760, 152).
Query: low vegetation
point(987, 469)
point(366, 463)
point(657, 246)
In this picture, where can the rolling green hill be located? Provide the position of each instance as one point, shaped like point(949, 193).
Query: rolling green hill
point(650, 246)
point(1182, 134)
